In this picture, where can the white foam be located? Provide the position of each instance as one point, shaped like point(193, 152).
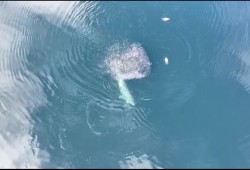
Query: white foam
point(139, 162)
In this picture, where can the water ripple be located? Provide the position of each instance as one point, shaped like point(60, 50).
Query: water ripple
point(103, 119)
point(229, 57)
point(21, 91)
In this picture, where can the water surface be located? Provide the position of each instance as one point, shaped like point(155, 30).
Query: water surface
point(59, 108)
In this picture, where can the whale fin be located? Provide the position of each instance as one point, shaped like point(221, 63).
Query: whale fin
point(125, 93)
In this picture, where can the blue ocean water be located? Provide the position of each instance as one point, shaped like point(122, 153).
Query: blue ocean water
point(61, 108)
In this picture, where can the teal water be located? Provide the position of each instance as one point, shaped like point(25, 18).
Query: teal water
point(60, 108)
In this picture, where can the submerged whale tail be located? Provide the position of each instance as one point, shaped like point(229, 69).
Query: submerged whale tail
point(125, 93)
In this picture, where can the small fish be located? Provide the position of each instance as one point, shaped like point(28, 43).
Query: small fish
point(165, 19)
